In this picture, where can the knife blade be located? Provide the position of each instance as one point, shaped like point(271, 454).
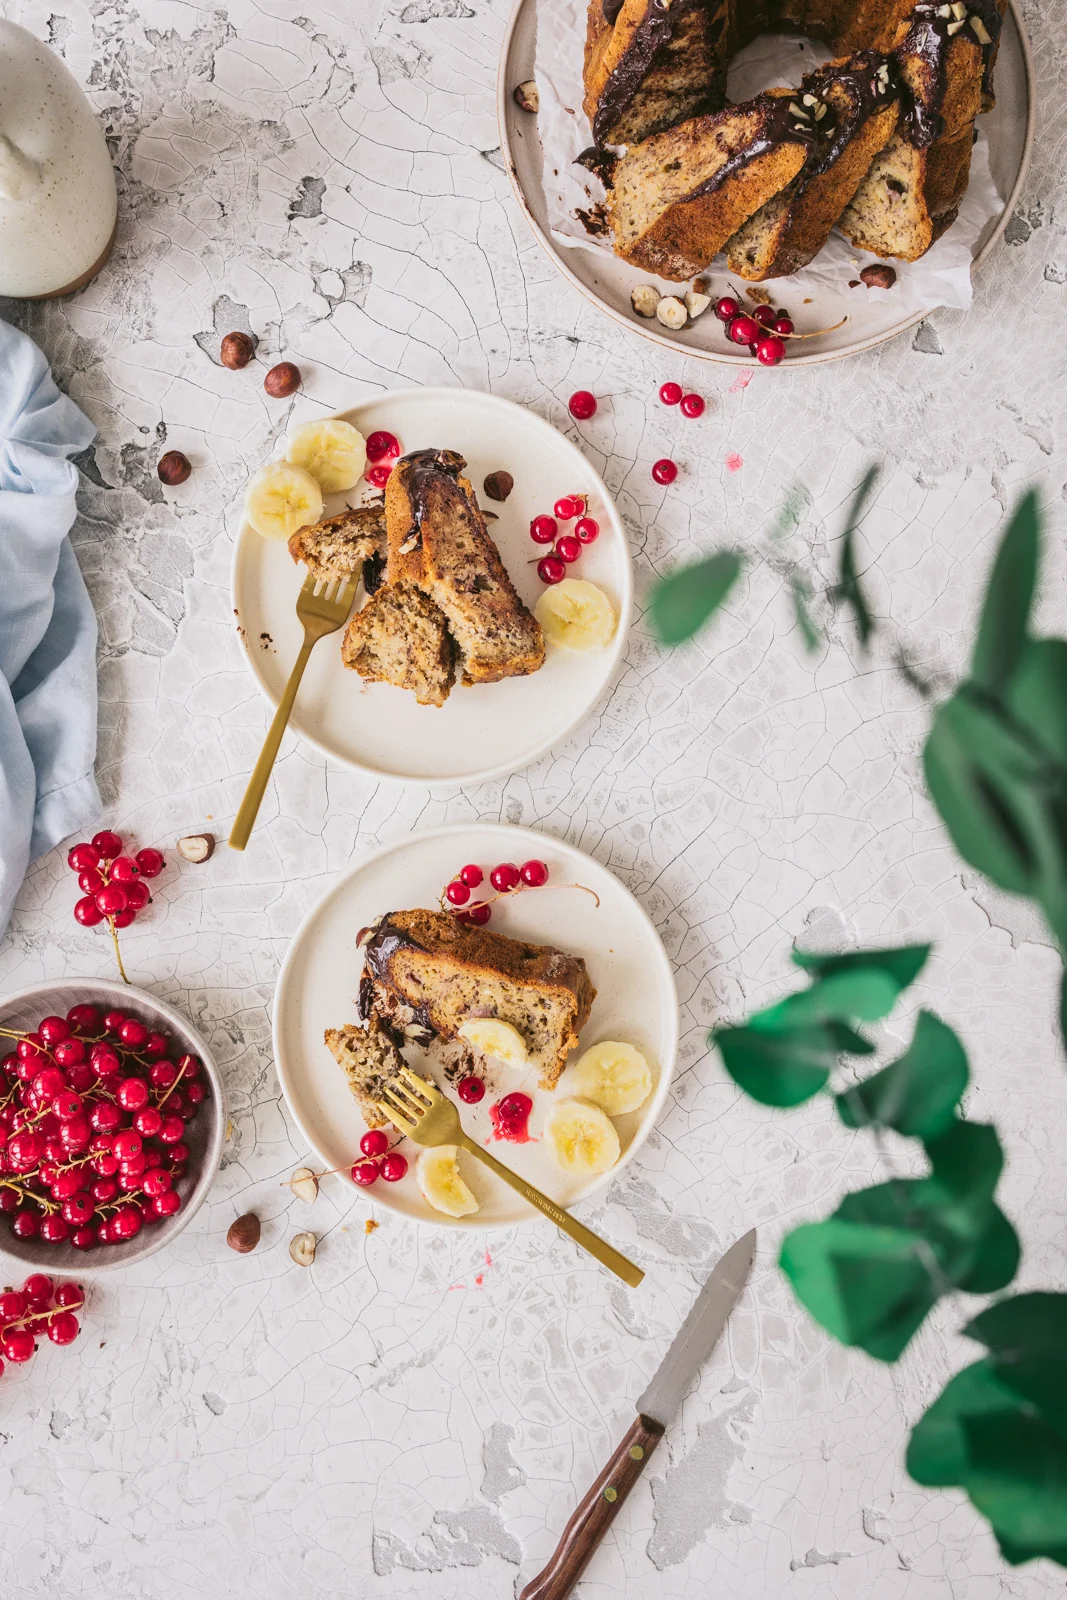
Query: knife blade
point(690, 1348)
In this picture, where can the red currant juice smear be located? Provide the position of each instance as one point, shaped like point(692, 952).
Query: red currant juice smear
point(511, 1118)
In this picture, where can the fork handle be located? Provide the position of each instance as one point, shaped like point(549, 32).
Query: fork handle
point(598, 1247)
point(257, 784)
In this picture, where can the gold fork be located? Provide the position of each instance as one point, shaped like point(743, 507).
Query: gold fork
point(425, 1115)
point(323, 608)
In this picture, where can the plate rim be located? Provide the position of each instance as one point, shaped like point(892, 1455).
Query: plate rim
point(616, 649)
point(499, 829)
point(727, 357)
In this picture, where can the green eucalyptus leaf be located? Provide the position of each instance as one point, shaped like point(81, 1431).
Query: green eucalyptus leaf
point(997, 1258)
point(937, 1449)
point(1009, 596)
point(1027, 1338)
point(846, 1039)
point(1017, 1476)
point(863, 995)
point(918, 1093)
point(778, 1069)
point(867, 1286)
point(967, 1160)
point(902, 963)
point(800, 590)
point(848, 587)
point(683, 601)
point(1035, 696)
point(1016, 1554)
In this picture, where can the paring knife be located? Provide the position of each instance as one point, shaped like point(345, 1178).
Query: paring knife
point(693, 1343)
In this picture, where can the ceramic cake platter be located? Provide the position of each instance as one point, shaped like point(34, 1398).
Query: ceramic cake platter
point(484, 731)
point(636, 1003)
point(607, 281)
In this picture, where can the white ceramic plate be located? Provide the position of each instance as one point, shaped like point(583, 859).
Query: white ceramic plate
point(607, 281)
point(636, 1002)
point(488, 730)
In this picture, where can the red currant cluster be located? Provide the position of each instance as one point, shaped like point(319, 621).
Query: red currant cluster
point(765, 331)
point(382, 450)
point(112, 884)
point(92, 1125)
point(40, 1306)
point(506, 878)
point(568, 547)
point(378, 1160)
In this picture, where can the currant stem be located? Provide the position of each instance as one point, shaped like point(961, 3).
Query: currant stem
point(118, 952)
point(35, 1316)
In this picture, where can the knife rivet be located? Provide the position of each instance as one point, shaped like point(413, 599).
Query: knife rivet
point(610, 1493)
point(636, 1453)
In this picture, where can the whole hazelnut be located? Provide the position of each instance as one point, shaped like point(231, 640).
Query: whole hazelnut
point(173, 468)
point(879, 276)
point(243, 1235)
point(498, 485)
point(282, 380)
point(237, 350)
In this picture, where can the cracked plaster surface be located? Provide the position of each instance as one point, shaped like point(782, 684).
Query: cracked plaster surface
point(331, 181)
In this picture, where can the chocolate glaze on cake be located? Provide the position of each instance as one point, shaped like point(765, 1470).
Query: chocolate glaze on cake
point(656, 30)
point(403, 1021)
point(421, 466)
point(780, 126)
point(929, 38)
point(870, 89)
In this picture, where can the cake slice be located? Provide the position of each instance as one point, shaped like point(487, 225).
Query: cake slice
point(425, 973)
point(650, 65)
point(400, 637)
point(370, 1061)
point(438, 543)
point(855, 104)
point(343, 546)
point(676, 198)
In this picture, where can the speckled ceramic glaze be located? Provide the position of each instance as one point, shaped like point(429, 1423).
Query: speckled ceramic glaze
point(57, 187)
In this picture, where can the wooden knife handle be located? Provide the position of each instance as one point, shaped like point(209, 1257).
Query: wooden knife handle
point(595, 1514)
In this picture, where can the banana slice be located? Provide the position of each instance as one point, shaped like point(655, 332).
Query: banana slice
point(613, 1076)
point(437, 1173)
point(580, 1138)
point(576, 615)
point(491, 1037)
point(281, 498)
point(332, 451)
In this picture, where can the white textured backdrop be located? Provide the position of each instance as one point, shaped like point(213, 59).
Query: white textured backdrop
point(387, 1425)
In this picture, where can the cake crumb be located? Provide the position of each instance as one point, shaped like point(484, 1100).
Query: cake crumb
point(370, 1225)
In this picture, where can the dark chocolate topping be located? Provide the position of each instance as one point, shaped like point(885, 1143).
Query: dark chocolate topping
point(373, 573)
point(653, 32)
point(419, 469)
point(601, 163)
point(378, 952)
point(611, 9)
point(928, 37)
point(779, 126)
point(870, 90)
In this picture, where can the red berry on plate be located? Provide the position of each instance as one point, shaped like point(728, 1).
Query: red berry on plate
point(18, 1345)
point(25, 1223)
point(765, 315)
point(78, 1209)
point(83, 1238)
point(513, 1112)
point(67, 1104)
point(132, 1094)
point(582, 404)
point(107, 844)
point(48, 1083)
point(567, 507)
point(63, 1328)
point(505, 877)
point(147, 1121)
point(137, 897)
point(727, 307)
point(54, 1029)
point(127, 1145)
point(379, 475)
point(587, 529)
point(188, 1067)
point(165, 1205)
point(105, 1060)
point(87, 912)
point(543, 529)
point(151, 861)
point(69, 1053)
point(155, 1046)
point(692, 405)
point(782, 324)
point(550, 569)
point(75, 1134)
point(470, 1089)
point(111, 900)
point(770, 352)
point(113, 1021)
point(743, 330)
point(126, 1223)
point(172, 1130)
point(104, 1189)
point(195, 1093)
point(375, 1142)
point(54, 1229)
point(83, 858)
point(156, 1182)
point(479, 915)
point(29, 1049)
point(24, 1150)
point(133, 1033)
point(163, 1074)
point(365, 1173)
point(534, 874)
point(179, 1153)
point(124, 869)
point(664, 470)
point(381, 444)
point(393, 1167)
point(471, 875)
point(568, 548)
point(457, 893)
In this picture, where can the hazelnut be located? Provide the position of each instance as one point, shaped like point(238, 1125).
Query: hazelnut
point(197, 847)
point(498, 485)
point(696, 303)
point(305, 1185)
point(525, 96)
point(879, 276)
point(302, 1249)
point(644, 298)
point(282, 380)
point(672, 313)
point(173, 468)
point(237, 350)
point(243, 1235)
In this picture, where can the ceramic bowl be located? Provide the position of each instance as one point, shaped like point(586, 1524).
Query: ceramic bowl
point(204, 1136)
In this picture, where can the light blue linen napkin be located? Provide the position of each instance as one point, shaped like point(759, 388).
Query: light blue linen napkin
point(47, 625)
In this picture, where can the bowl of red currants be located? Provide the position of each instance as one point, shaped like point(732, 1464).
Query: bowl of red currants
point(112, 1122)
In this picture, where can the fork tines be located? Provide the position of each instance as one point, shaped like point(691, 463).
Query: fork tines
point(407, 1098)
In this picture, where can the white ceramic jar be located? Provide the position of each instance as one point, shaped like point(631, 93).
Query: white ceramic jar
point(57, 188)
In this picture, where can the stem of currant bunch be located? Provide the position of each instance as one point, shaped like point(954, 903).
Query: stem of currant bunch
point(118, 952)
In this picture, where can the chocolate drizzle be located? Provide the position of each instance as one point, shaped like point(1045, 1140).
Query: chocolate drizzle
point(928, 38)
point(779, 126)
point(869, 91)
point(401, 1017)
point(656, 29)
point(419, 469)
point(601, 163)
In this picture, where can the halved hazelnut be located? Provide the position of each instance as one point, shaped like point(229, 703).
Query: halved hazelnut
point(196, 847)
point(525, 96)
point(696, 303)
point(302, 1249)
point(672, 313)
point(644, 299)
point(305, 1185)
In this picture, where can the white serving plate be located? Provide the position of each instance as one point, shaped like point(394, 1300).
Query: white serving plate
point(636, 1002)
point(607, 281)
point(488, 730)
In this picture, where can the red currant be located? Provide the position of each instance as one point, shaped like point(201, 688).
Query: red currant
point(165, 1205)
point(470, 875)
point(195, 1094)
point(375, 1142)
point(365, 1173)
point(83, 1238)
point(67, 1105)
point(125, 870)
point(104, 1189)
point(54, 1029)
point(664, 470)
point(568, 548)
point(543, 529)
point(393, 1167)
point(587, 529)
point(179, 1153)
point(54, 1229)
point(113, 1021)
point(111, 900)
point(764, 315)
point(91, 881)
point(107, 844)
point(743, 330)
point(25, 1223)
point(12, 1306)
point(105, 1060)
point(163, 1074)
point(83, 858)
point(137, 897)
point(582, 405)
point(75, 1134)
point(479, 915)
point(49, 1083)
point(505, 877)
point(727, 308)
point(568, 507)
point(172, 1130)
point(550, 569)
point(770, 352)
point(24, 1150)
point(69, 1053)
point(379, 475)
point(670, 393)
point(18, 1345)
point(156, 1182)
point(126, 1223)
point(534, 873)
point(513, 1112)
point(692, 405)
point(783, 324)
point(188, 1067)
point(127, 1145)
point(122, 919)
point(133, 1033)
point(470, 1089)
point(9, 1200)
point(150, 861)
point(147, 1121)
point(63, 1328)
point(78, 1209)
point(457, 893)
point(132, 1094)
point(382, 444)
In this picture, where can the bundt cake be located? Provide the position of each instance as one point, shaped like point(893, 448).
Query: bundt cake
point(878, 141)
